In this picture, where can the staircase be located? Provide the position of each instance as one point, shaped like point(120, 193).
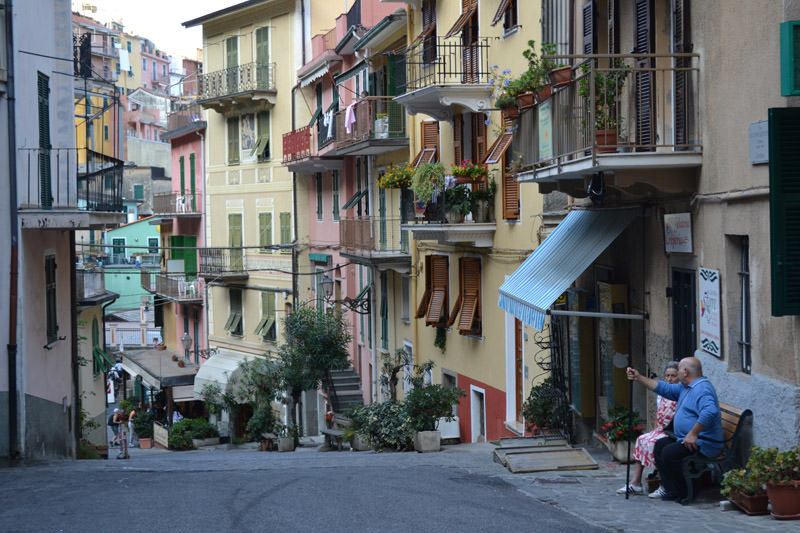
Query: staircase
point(344, 390)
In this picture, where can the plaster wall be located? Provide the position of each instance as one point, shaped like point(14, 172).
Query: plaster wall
point(93, 387)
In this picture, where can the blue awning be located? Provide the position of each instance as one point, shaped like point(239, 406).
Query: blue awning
point(563, 256)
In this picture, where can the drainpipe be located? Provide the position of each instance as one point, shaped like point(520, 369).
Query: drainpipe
point(204, 234)
point(13, 420)
point(76, 386)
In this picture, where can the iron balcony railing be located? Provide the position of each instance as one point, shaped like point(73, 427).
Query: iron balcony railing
point(447, 62)
point(174, 287)
point(222, 262)
point(238, 79)
point(378, 118)
point(641, 103)
point(326, 129)
point(69, 178)
point(187, 114)
point(373, 234)
point(171, 203)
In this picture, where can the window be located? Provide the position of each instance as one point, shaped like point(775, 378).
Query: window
point(235, 240)
point(234, 324)
point(233, 140)
point(105, 132)
point(384, 310)
point(266, 326)
point(428, 35)
point(318, 178)
point(335, 195)
point(739, 262)
point(129, 46)
point(430, 143)
point(50, 298)
point(119, 69)
point(144, 64)
point(790, 58)
point(405, 303)
point(265, 230)
point(286, 231)
point(138, 192)
point(262, 144)
point(468, 305)
point(152, 245)
point(434, 305)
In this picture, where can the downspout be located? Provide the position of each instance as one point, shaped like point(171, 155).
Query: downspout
point(13, 421)
point(73, 327)
point(294, 192)
point(203, 231)
point(412, 138)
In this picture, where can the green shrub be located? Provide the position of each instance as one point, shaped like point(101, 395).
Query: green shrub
point(87, 451)
point(180, 435)
point(143, 424)
point(426, 404)
point(386, 425)
point(202, 429)
point(262, 421)
point(125, 406)
point(539, 409)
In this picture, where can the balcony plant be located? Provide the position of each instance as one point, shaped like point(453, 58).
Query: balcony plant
point(396, 177)
point(504, 90)
point(536, 79)
point(608, 87)
point(781, 470)
point(457, 203)
point(428, 178)
point(746, 486)
point(469, 172)
point(483, 202)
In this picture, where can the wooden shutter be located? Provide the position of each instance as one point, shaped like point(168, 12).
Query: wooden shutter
point(497, 151)
point(681, 44)
point(644, 44)
point(784, 194)
point(470, 321)
point(430, 143)
point(440, 281)
point(233, 140)
point(265, 229)
point(478, 137)
point(43, 93)
point(183, 175)
point(510, 192)
point(613, 26)
point(501, 11)
point(426, 297)
point(589, 38)
point(458, 134)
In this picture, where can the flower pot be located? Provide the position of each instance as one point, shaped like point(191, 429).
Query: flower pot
point(427, 441)
point(560, 76)
point(145, 443)
point(752, 505)
point(286, 444)
point(544, 93)
point(785, 500)
point(359, 443)
point(161, 347)
point(481, 212)
point(620, 452)
point(605, 141)
point(454, 217)
point(525, 100)
point(419, 207)
point(511, 111)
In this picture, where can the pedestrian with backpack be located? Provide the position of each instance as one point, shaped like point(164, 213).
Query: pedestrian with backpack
point(114, 428)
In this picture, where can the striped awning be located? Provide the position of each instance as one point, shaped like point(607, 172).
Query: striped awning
point(563, 256)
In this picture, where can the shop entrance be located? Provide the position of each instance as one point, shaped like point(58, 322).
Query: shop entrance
point(684, 327)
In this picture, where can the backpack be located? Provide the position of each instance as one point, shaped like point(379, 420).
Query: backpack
point(111, 420)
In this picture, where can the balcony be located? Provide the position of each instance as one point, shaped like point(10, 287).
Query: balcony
point(90, 287)
point(222, 264)
point(374, 241)
point(379, 127)
point(68, 188)
point(442, 73)
point(180, 118)
point(644, 129)
point(446, 228)
point(303, 155)
point(176, 204)
point(229, 88)
point(175, 288)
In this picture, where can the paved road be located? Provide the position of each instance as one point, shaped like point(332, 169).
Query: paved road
point(459, 489)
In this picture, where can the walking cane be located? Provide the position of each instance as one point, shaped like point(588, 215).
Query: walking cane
point(630, 432)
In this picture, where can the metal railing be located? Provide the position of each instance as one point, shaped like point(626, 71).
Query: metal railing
point(642, 103)
point(447, 62)
point(69, 178)
point(376, 118)
point(131, 336)
point(182, 117)
point(173, 287)
point(297, 144)
point(373, 234)
point(176, 203)
point(222, 262)
point(238, 79)
point(326, 132)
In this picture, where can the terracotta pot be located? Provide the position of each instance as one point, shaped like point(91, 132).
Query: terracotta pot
point(560, 76)
point(161, 347)
point(752, 505)
point(525, 100)
point(785, 500)
point(145, 443)
point(620, 452)
point(511, 111)
point(605, 141)
point(544, 94)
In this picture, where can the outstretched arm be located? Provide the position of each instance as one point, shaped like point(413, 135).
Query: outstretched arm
point(634, 375)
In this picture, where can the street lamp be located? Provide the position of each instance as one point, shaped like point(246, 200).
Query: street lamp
point(186, 341)
point(359, 305)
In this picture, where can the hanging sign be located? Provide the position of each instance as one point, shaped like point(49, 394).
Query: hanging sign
point(678, 233)
point(709, 311)
point(546, 130)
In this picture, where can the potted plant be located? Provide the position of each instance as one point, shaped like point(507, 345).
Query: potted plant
point(539, 409)
point(425, 404)
point(619, 429)
point(483, 202)
point(203, 433)
point(143, 426)
point(286, 437)
point(559, 74)
point(261, 426)
point(457, 203)
point(396, 177)
point(607, 92)
point(536, 79)
point(427, 178)
point(469, 172)
point(781, 469)
point(745, 486)
point(504, 91)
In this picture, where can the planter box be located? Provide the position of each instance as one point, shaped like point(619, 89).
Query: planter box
point(359, 444)
point(286, 444)
point(752, 505)
point(427, 441)
point(213, 441)
point(160, 435)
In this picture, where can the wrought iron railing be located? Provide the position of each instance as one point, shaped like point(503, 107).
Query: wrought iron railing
point(376, 118)
point(173, 287)
point(69, 178)
point(297, 144)
point(176, 203)
point(221, 262)
point(642, 103)
point(447, 62)
point(373, 234)
point(238, 79)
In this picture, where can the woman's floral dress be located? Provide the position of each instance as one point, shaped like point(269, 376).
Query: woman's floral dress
point(643, 451)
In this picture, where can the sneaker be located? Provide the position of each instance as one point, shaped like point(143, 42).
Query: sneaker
point(631, 489)
point(659, 492)
point(668, 496)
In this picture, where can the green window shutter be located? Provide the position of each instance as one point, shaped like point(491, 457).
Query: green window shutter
point(784, 193)
point(231, 64)
point(183, 175)
point(152, 245)
point(265, 229)
point(233, 140)
point(192, 181)
point(138, 192)
point(190, 256)
point(43, 90)
point(384, 311)
point(319, 196)
point(286, 231)
point(50, 298)
point(335, 194)
point(790, 58)
point(235, 230)
point(262, 58)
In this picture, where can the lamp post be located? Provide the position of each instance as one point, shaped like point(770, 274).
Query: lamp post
point(359, 305)
point(186, 342)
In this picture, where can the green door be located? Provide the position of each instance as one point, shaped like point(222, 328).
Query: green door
point(118, 251)
point(232, 64)
point(192, 182)
point(235, 241)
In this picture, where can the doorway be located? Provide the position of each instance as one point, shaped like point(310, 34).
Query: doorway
point(478, 414)
point(684, 304)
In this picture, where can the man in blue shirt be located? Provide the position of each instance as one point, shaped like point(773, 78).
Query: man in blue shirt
point(697, 419)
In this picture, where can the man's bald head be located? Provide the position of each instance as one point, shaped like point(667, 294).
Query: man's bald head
point(689, 369)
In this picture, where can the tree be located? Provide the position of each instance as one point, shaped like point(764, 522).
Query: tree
point(259, 384)
point(392, 365)
point(315, 342)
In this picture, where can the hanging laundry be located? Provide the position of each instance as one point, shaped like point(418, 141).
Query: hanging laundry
point(350, 118)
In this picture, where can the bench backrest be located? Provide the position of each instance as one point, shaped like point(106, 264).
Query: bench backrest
point(733, 421)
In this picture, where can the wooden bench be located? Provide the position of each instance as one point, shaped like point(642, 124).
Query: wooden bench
point(734, 421)
point(333, 435)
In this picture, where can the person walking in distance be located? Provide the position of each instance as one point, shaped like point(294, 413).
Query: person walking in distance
point(131, 440)
point(119, 420)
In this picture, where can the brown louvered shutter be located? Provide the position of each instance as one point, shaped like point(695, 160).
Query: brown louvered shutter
point(682, 45)
point(589, 40)
point(613, 26)
point(426, 297)
point(458, 134)
point(499, 146)
point(644, 44)
point(430, 143)
point(440, 281)
point(470, 321)
point(510, 191)
point(478, 137)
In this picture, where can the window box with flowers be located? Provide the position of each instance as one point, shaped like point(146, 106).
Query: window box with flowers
point(396, 177)
point(469, 172)
point(619, 429)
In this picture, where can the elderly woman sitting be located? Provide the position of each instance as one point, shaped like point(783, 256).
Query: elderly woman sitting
point(643, 451)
